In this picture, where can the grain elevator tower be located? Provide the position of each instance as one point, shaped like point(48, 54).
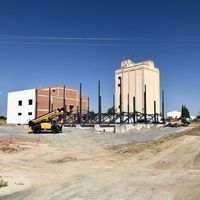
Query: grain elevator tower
point(130, 82)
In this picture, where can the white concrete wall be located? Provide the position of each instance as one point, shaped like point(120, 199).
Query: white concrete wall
point(21, 114)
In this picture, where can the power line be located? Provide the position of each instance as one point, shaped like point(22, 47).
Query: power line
point(95, 44)
point(10, 37)
point(112, 41)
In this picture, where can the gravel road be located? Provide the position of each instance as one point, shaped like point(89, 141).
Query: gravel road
point(143, 135)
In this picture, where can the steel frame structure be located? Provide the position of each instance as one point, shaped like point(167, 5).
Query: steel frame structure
point(89, 118)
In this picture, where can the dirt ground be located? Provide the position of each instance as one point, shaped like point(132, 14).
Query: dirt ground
point(72, 166)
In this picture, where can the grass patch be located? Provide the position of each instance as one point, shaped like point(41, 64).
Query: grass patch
point(7, 149)
point(3, 183)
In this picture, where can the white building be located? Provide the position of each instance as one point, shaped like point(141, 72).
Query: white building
point(25, 105)
point(173, 114)
point(21, 106)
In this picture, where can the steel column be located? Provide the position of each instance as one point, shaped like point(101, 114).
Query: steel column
point(163, 111)
point(80, 103)
point(49, 99)
point(145, 105)
point(99, 102)
point(134, 110)
point(155, 112)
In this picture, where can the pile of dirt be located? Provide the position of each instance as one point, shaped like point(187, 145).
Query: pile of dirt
point(194, 131)
point(154, 146)
point(195, 122)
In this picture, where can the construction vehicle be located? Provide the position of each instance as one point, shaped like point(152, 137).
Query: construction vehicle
point(47, 122)
point(181, 122)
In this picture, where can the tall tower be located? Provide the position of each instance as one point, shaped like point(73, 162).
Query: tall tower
point(130, 82)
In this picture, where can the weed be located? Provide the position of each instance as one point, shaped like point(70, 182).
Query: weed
point(3, 183)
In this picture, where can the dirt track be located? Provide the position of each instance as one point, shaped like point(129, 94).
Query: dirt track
point(73, 166)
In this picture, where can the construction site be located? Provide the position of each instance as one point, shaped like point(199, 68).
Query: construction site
point(143, 163)
point(54, 147)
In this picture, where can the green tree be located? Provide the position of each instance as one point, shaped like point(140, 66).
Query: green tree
point(111, 111)
point(185, 112)
point(2, 117)
point(92, 115)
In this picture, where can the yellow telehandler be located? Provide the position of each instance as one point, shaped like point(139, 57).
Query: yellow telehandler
point(47, 122)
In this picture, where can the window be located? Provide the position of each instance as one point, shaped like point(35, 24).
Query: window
point(19, 114)
point(20, 103)
point(30, 102)
point(29, 113)
point(71, 107)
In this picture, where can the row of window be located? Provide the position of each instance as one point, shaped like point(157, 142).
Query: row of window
point(30, 102)
point(29, 113)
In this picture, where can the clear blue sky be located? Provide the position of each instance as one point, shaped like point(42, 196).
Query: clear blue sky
point(68, 42)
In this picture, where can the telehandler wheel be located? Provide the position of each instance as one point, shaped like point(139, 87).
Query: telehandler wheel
point(36, 129)
point(55, 129)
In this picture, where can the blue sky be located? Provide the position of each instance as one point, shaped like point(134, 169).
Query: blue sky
point(68, 42)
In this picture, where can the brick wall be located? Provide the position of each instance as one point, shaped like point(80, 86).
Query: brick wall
point(54, 96)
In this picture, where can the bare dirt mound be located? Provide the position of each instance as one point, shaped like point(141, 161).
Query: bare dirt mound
point(154, 146)
point(75, 167)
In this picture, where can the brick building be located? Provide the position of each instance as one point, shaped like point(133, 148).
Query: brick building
point(28, 104)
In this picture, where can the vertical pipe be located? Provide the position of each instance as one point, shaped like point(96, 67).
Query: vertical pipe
point(134, 110)
point(49, 99)
point(64, 105)
point(113, 106)
point(155, 112)
point(145, 105)
point(88, 110)
point(36, 103)
point(128, 108)
point(80, 103)
point(120, 98)
point(163, 110)
point(99, 101)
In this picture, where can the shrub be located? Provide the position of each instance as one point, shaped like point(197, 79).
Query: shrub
point(3, 183)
